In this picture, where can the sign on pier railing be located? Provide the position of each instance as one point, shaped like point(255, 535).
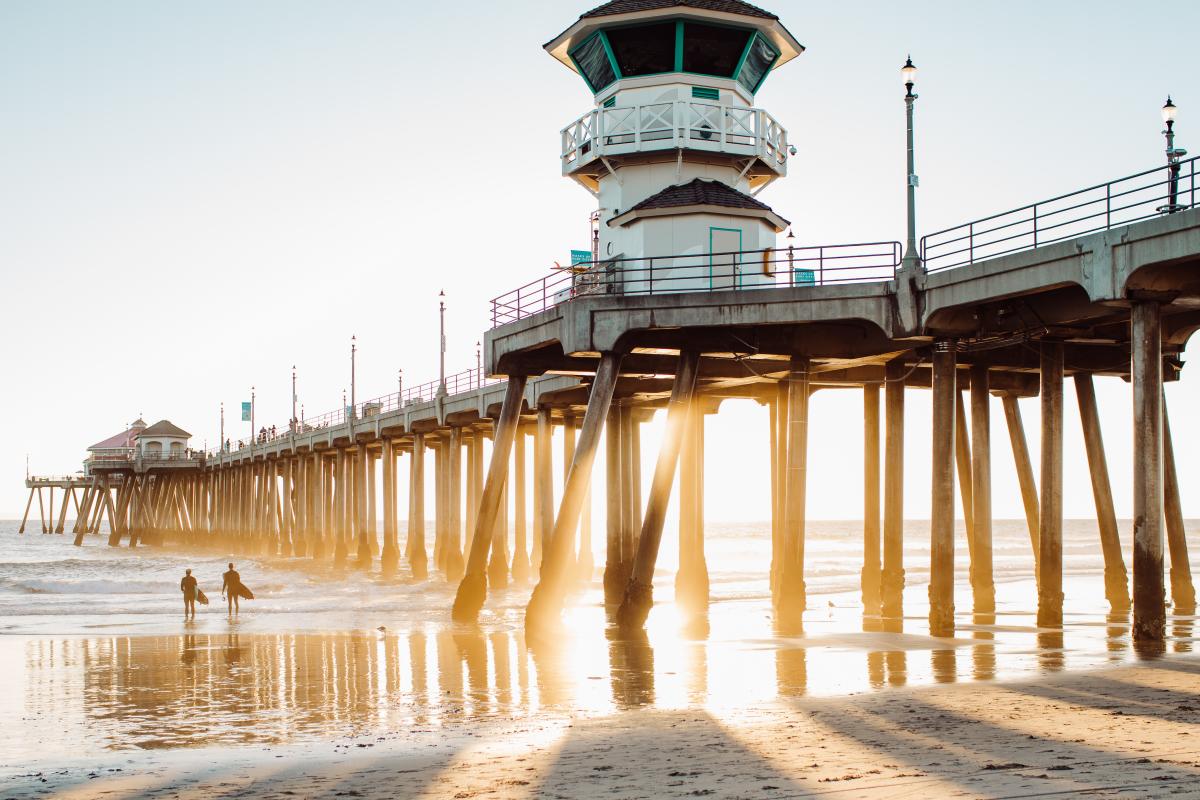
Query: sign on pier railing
point(774, 268)
point(1153, 193)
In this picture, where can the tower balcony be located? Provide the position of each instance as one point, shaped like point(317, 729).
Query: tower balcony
point(737, 131)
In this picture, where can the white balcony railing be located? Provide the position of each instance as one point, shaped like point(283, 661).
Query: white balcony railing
point(660, 126)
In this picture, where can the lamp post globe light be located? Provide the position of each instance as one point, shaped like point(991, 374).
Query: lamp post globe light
point(442, 343)
point(910, 261)
point(1169, 112)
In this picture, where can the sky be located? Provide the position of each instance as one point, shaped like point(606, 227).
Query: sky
point(194, 197)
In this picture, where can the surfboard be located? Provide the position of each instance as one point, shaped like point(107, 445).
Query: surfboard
point(201, 598)
point(244, 592)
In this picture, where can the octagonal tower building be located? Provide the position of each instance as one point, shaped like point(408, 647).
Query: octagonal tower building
point(674, 148)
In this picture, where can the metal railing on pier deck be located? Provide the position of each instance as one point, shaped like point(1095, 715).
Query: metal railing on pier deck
point(812, 265)
point(458, 383)
point(1134, 198)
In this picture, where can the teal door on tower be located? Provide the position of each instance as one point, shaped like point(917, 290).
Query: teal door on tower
point(724, 260)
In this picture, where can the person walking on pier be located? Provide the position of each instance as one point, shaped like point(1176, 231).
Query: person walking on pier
point(231, 588)
point(189, 588)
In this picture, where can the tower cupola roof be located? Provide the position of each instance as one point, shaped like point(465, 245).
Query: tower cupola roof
point(628, 39)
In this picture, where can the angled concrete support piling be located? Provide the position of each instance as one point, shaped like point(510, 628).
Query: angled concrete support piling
point(1116, 579)
point(473, 589)
point(1050, 594)
point(546, 601)
point(941, 558)
point(1024, 467)
point(635, 606)
point(1183, 593)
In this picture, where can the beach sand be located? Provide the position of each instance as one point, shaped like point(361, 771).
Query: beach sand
point(1126, 731)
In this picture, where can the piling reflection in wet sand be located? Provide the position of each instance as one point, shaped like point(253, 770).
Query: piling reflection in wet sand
point(234, 687)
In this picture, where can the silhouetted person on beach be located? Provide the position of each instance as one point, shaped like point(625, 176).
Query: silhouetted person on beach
point(189, 588)
point(231, 585)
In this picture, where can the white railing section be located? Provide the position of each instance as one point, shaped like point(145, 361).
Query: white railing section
point(656, 126)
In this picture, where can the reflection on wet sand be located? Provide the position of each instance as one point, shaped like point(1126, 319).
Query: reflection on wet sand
point(165, 691)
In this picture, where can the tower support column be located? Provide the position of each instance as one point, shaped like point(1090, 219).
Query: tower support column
point(691, 582)
point(793, 595)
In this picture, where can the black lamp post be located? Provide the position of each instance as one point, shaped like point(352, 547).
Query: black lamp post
point(1169, 110)
point(910, 260)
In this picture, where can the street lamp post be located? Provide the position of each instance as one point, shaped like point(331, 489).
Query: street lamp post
point(911, 260)
point(353, 355)
point(293, 398)
point(221, 443)
point(442, 345)
point(1169, 110)
point(400, 388)
point(478, 367)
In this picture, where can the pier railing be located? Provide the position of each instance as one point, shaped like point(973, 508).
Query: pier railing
point(696, 125)
point(458, 383)
point(811, 265)
point(1149, 194)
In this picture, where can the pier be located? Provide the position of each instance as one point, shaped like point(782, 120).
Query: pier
point(688, 300)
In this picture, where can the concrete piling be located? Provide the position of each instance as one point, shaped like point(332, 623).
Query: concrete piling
point(982, 580)
point(1149, 601)
point(941, 564)
point(872, 570)
point(1050, 594)
point(892, 576)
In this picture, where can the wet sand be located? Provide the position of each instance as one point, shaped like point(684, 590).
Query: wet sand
point(363, 688)
point(1128, 731)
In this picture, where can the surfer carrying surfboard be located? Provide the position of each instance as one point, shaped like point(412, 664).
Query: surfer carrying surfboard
point(233, 589)
point(190, 590)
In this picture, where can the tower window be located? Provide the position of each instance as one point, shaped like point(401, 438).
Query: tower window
point(712, 50)
point(758, 62)
point(593, 62)
point(643, 49)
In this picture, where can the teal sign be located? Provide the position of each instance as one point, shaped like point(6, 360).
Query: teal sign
point(245, 412)
point(804, 277)
point(580, 257)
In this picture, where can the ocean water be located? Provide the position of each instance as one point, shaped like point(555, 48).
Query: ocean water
point(47, 586)
point(97, 657)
